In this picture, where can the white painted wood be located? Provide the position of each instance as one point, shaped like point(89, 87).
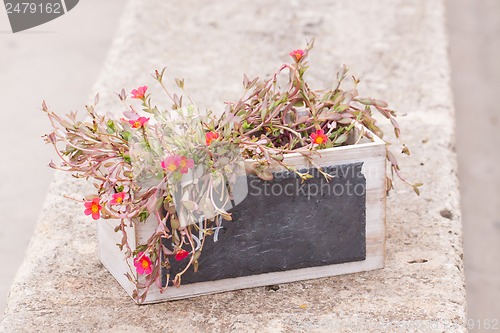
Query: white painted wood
point(372, 152)
point(111, 256)
point(373, 261)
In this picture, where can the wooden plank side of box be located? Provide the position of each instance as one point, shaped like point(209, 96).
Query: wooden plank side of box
point(111, 256)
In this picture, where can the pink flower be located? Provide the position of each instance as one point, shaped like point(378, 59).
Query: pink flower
point(118, 198)
point(174, 162)
point(139, 93)
point(211, 136)
point(319, 137)
point(171, 163)
point(297, 55)
point(142, 264)
point(185, 164)
point(181, 254)
point(139, 122)
point(93, 208)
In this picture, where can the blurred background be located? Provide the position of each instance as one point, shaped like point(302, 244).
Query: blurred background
point(474, 34)
point(60, 60)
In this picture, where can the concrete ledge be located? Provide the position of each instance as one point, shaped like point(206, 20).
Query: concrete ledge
point(399, 47)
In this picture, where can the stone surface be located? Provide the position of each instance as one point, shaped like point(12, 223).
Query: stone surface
point(474, 52)
point(398, 47)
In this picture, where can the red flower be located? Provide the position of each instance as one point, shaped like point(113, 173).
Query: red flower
point(142, 264)
point(181, 255)
point(211, 136)
point(139, 93)
point(185, 164)
point(118, 198)
point(297, 55)
point(93, 208)
point(319, 137)
point(139, 122)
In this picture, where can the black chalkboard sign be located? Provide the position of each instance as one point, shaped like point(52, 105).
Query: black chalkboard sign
point(287, 224)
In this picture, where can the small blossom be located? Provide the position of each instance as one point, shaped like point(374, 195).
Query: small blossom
point(118, 198)
point(93, 208)
point(139, 122)
point(185, 164)
point(181, 254)
point(142, 264)
point(297, 54)
point(139, 93)
point(171, 163)
point(319, 137)
point(211, 136)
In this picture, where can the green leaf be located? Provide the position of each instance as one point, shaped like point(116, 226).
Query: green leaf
point(345, 121)
point(174, 222)
point(180, 83)
point(341, 139)
point(126, 135)
point(342, 107)
point(417, 191)
point(389, 184)
point(263, 113)
point(111, 126)
point(416, 186)
point(127, 159)
point(341, 74)
point(366, 101)
point(264, 174)
point(143, 216)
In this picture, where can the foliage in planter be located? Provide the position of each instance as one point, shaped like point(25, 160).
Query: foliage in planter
point(176, 166)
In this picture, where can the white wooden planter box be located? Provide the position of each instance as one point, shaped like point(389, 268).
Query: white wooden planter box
point(369, 154)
